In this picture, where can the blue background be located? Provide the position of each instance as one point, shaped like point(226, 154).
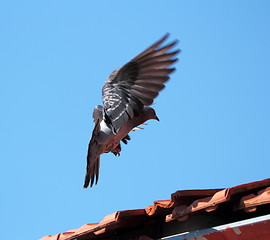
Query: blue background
point(54, 58)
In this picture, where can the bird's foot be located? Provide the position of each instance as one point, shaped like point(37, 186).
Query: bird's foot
point(116, 150)
point(124, 140)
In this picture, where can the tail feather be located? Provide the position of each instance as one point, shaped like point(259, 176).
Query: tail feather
point(93, 159)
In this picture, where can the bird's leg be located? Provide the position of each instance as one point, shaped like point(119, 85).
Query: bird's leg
point(124, 140)
point(114, 148)
point(116, 151)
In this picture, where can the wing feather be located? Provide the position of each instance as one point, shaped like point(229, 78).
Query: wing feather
point(135, 85)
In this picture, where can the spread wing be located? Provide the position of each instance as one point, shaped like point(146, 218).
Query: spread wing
point(135, 85)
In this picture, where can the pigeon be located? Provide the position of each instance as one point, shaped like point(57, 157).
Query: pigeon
point(127, 95)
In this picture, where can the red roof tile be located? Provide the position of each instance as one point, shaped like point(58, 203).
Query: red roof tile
point(181, 205)
point(251, 201)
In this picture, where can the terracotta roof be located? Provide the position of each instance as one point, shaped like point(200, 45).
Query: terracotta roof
point(182, 205)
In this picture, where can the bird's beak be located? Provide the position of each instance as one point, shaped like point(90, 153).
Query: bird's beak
point(157, 118)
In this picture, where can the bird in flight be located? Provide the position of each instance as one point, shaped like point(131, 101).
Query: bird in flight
point(127, 94)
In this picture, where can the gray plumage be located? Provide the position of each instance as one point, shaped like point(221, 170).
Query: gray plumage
point(126, 95)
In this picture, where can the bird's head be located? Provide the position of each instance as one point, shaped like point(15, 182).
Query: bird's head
point(150, 113)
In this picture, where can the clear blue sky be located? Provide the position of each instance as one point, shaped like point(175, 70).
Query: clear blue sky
point(54, 58)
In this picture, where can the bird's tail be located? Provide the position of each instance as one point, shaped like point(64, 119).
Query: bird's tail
point(92, 173)
point(93, 158)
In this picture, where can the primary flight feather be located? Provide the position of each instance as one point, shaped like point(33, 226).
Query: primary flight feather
point(127, 94)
